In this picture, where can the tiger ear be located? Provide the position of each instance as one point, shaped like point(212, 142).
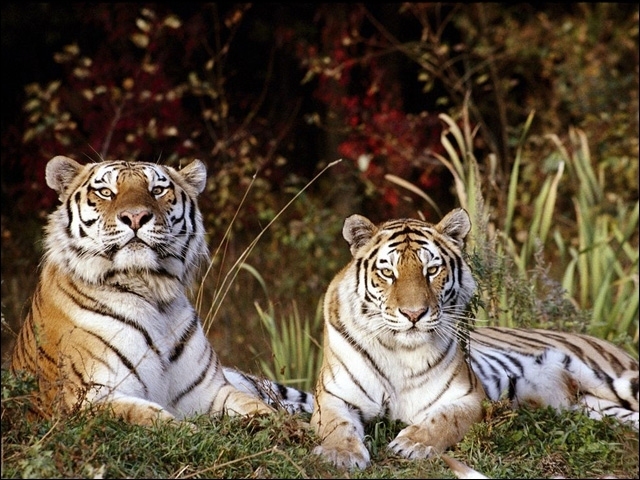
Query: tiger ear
point(456, 225)
point(60, 172)
point(357, 231)
point(195, 175)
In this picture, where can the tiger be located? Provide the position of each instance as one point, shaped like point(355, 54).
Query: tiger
point(396, 319)
point(110, 325)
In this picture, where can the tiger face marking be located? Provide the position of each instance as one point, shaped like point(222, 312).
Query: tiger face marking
point(413, 281)
point(121, 217)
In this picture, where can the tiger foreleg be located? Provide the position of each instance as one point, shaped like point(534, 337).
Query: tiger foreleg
point(438, 431)
point(343, 446)
point(342, 435)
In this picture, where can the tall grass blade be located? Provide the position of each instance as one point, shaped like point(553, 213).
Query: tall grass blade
point(231, 275)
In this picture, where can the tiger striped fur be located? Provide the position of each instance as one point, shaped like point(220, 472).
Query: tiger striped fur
point(392, 348)
point(110, 324)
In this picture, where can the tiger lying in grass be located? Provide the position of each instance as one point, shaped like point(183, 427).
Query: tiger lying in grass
point(110, 324)
point(392, 349)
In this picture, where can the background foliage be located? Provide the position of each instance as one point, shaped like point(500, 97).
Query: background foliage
point(269, 94)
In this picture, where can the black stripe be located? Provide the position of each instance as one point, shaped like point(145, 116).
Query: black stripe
point(511, 391)
point(160, 272)
point(613, 360)
point(197, 381)
point(499, 360)
point(430, 366)
point(633, 385)
point(125, 361)
point(282, 390)
point(184, 339)
point(125, 289)
point(183, 232)
point(303, 397)
point(439, 395)
point(68, 204)
point(352, 341)
point(352, 407)
point(358, 266)
point(82, 300)
point(353, 378)
point(403, 231)
point(85, 385)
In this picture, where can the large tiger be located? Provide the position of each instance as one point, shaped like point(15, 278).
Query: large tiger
point(110, 324)
point(392, 348)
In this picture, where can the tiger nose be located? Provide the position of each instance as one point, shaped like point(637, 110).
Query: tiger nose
point(413, 315)
point(135, 219)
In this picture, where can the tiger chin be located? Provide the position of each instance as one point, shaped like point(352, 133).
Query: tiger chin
point(110, 324)
point(391, 349)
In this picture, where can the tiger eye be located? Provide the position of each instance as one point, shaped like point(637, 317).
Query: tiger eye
point(386, 272)
point(432, 270)
point(157, 191)
point(105, 193)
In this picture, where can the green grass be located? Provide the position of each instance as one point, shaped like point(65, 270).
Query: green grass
point(525, 444)
point(544, 443)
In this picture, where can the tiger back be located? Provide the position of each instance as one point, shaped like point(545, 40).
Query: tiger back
point(539, 368)
point(392, 349)
point(110, 324)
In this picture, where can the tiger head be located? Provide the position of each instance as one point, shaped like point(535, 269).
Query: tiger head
point(412, 280)
point(119, 218)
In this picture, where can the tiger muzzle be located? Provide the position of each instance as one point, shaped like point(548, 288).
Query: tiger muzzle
point(135, 219)
point(413, 315)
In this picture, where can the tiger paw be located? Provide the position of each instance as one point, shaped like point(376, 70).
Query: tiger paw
point(408, 444)
point(347, 458)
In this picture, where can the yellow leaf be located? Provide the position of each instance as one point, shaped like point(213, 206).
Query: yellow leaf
point(140, 40)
